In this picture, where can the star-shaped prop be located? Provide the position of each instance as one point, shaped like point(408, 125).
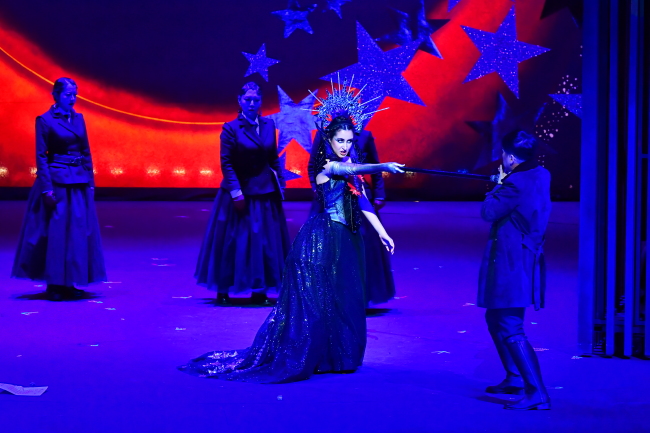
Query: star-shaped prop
point(501, 52)
point(294, 121)
point(415, 27)
point(574, 6)
point(452, 4)
point(287, 174)
point(378, 73)
point(294, 18)
point(259, 63)
point(572, 102)
point(335, 5)
point(505, 121)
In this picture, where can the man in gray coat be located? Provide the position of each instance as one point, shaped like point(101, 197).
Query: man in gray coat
point(513, 273)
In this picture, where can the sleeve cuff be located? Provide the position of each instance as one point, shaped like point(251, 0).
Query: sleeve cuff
point(235, 193)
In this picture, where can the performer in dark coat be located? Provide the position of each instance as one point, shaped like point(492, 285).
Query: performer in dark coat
point(247, 240)
point(380, 285)
point(513, 272)
point(59, 240)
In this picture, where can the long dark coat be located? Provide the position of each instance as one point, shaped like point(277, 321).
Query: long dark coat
point(513, 271)
point(245, 251)
point(61, 245)
point(249, 161)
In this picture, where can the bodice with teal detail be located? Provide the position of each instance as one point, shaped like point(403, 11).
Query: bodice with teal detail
point(339, 203)
point(332, 196)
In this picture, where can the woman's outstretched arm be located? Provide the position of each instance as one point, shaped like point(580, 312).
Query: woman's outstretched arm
point(369, 213)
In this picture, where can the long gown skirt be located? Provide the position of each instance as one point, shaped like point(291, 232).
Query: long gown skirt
point(244, 252)
point(380, 284)
point(318, 324)
point(61, 245)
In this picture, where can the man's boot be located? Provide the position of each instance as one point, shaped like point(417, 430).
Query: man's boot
point(513, 384)
point(535, 395)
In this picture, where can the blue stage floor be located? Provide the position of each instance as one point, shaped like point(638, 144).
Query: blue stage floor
point(110, 362)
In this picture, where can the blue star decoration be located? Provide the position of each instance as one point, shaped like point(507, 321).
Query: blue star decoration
point(294, 121)
point(259, 63)
point(572, 102)
point(501, 52)
point(379, 73)
point(294, 18)
point(505, 120)
point(415, 27)
point(335, 5)
point(452, 4)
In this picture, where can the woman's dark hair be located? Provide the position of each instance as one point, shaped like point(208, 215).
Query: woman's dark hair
point(59, 86)
point(339, 123)
point(520, 144)
point(251, 86)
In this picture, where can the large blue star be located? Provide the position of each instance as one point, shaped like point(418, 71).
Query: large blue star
point(294, 19)
point(380, 72)
point(259, 63)
point(501, 52)
point(415, 27)
point(335, 5)
point(572, 102)
point(295, 121)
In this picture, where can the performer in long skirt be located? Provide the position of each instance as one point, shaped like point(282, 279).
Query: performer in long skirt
point(247, 240)
point(59, 240)
point(380, 284)
point(318, 324)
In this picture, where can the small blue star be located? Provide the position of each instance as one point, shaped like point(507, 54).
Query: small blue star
point(380, 72)
point(572, 102)
point(295, 121)
point(501, 52)
point(294, 19)
point(335, 5)
point(259, 63)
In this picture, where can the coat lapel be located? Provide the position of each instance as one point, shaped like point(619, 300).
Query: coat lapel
point(265, 130)
point(249, 130)
point(73, 126)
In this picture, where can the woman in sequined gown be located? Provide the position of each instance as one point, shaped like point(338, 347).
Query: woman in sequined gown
point(318, 324)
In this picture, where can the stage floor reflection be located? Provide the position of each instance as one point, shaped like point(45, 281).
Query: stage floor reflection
point(110, 360)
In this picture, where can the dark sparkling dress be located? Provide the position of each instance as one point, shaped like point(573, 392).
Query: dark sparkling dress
point(318, 324)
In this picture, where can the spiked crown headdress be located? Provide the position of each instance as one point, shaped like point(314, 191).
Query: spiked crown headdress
point(342, 101)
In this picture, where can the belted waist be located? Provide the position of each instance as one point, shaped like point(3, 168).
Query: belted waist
point(73, 160)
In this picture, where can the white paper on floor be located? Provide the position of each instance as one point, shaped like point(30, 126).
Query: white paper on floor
point(31, 391)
